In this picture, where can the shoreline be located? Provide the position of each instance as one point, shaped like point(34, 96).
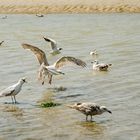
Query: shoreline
point(71, 6)
point(67, 9)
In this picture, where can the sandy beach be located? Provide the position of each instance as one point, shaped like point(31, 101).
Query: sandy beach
point(71, 6)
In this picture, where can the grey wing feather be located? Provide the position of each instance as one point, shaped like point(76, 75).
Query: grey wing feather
point(7, 92)
point(38, 52)
point(65, 59)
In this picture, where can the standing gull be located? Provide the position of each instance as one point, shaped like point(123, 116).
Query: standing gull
point(13, 90)
point(100, 66)
point(89, 109)
point(50, 70)
point(55, 50)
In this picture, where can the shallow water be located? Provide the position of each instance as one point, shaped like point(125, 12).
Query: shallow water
point(116, 38)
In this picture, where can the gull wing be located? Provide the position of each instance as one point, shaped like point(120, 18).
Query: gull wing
point(38, 52)
point(68, 59)
point(91, 107)
point(7, 92)
point(53, 42)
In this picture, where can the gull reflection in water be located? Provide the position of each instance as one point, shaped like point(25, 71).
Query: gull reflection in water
point(91, 129)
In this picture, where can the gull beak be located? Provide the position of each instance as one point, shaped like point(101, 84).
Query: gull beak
point(109, 111)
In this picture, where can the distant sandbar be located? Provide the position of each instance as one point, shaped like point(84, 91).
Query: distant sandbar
point(68, 6)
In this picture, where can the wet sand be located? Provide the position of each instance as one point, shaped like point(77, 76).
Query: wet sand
point(71, 6)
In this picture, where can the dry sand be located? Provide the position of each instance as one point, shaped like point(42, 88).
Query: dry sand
point(68, 6)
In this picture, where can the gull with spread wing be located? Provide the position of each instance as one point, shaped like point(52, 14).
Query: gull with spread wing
point(13, 90)
point(50, 70)
point(55, 50)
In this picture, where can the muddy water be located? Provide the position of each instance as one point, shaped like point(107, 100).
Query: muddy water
point(116, 38)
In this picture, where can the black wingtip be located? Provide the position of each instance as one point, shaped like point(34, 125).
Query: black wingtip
point(46, 39)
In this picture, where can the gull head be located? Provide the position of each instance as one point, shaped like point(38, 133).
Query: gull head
point(109, 64)
point(60, 49)
point(104, 109)
point(23, 80)
point(93, 52)
point(95, 62)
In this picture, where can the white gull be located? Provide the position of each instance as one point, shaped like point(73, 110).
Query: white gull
point(13, 90)
point(55, 49)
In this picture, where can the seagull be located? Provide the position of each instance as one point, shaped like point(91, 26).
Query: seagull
point(50, 70)
point(89, 109)
point(93, 53)
point(13, 90)
point(5, 17)
point(39, 15)
point(55, 50)
point(100, 66)
point(1, 43)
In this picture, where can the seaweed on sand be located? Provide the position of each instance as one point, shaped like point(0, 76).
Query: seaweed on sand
point(47, 100)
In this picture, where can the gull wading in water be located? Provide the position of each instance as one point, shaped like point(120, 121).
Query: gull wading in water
point(4, 17)
point(50, 70)
point(89, 109)
point(100, 66)
point(55, 50)
point(13, 90)
point(39, 15)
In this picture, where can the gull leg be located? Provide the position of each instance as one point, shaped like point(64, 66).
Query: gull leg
point(12, 100)
point(39, 75)
point(50, 79)
point(43, 79)
point(15, 99)
point(91, 118)
point(86, 117)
